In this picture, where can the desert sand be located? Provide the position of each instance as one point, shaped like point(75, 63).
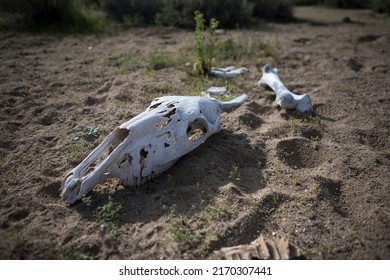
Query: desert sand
point(321, 182)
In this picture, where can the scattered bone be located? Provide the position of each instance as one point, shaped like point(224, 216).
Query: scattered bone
point(216, 91)
point(149, 144)
point(284, 98)
point(219, 91)
point(228, 72)
point(260, 249)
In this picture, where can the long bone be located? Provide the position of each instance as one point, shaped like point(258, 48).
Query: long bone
point(284, 98)
point(150, 143)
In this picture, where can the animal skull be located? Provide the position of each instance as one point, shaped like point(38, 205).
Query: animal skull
point(150, 143)
point(284, 98)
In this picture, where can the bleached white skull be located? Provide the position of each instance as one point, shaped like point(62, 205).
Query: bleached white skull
point(149, 144)
point(284, 98)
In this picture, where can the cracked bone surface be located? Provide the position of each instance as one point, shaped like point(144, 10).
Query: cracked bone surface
point(150, 143)
point(284, 98)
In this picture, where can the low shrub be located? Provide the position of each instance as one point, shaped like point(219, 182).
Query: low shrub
point(230, 13)
point(278, 10)
point(347, 4)
point(344, 4)
point(180, 13)
point(58, 15)
point(381, 6)
point(136, 12)
point(306, 2)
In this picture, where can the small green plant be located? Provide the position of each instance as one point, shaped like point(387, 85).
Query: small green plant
point(200, 63)
point(217, 210)
point(204, 51)
point(234, 174)
point(315, 120)
point(221, 209)
point(125, 62)
point(77, 152)
point(86, 200)
point(110, 214)
point(171, 181)
point(91, 131)
point(181, 231)
point(159, 61)
point(296, 179)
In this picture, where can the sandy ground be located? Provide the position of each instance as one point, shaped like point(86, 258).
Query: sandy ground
point(320, 182)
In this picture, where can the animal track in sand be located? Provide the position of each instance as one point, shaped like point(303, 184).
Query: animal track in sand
point(51, 190)
point(330, 191)
point(251, 120)
point(300, 152)
point(329, 112)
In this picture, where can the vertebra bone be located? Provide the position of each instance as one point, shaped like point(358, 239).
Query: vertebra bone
point(284, 98)
point(148, 144)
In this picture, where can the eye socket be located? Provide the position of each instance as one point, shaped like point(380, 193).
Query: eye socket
point(196, 129)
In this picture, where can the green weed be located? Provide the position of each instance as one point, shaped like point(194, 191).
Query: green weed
point(77, 152)
point(234, 174)
point(171, 181)
point(86, 200)
point(204, 50)
point(159, 61)
point(125, 62)
point(181, 231)
point(91, 131)
point(110, 215)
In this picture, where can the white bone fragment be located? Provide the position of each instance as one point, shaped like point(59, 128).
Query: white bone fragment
point(228, 72)
point(219, 91)
point(150, 143)
point(284, 98)
point(216, 91)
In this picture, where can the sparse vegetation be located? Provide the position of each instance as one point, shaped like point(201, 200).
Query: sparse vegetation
point(171, 181)
point(76, 152)
point(278, 10)
point(182, 233)
point(159, 61)
point(91, 131)
point(234, 174)
point(86, 200)
point(379, 6)
point(91, 15)
point(110, 215)
point(230, 13)
point(220, 210)
point(233, 187)
point(125, 62)
point(204, 49)
point(60, 15)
